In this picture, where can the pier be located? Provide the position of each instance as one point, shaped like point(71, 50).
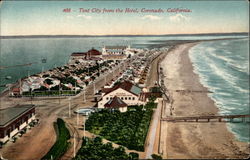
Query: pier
point(207, 118)
point(19, 65)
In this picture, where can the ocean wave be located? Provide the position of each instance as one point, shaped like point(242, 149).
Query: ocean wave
point(243, 67)
point(223, 58)
point(230, 59)
point(214, 69)
point(225, 73)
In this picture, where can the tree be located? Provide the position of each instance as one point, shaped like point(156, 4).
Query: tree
point(55, 87)
point(133, 155)
point(48, 81)
point(65, 87)
point(95, 149)
point(152, 99)
point(116, 83)
point(93, 77)
point(156, 157)
point(86, 83)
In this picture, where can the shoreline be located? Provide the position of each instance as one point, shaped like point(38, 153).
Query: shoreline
point(194, 140)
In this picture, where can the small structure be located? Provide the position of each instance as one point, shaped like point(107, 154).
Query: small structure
point(116, 103)
point(16, 92)
point(14, 119)
point(154, 94)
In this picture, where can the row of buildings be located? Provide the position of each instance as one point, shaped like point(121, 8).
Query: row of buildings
point(74, 77)
point(94, 61)
point(108, 53)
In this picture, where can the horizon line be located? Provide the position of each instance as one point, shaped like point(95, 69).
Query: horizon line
point(120, 35)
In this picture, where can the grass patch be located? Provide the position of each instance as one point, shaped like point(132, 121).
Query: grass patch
point(128, 129)
point(61, 145)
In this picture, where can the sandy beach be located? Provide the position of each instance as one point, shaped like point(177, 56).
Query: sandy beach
point(190, 139)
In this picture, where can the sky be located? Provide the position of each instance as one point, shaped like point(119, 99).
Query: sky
point(52, 18)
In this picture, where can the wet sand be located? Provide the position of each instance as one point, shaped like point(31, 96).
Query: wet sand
point(190, 139)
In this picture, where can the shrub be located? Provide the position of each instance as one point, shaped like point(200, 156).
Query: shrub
point(156, 157)
point(61, 144)
point(133, 155)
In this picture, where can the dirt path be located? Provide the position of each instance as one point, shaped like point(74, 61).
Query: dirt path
point(153, 131)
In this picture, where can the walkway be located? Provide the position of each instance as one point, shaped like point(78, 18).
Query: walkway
point(152, 132)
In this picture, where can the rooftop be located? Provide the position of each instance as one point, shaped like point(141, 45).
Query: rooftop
point(10, 114)
point(126, 85)
point(115, 103)
point(90, 52)
point(94, 52)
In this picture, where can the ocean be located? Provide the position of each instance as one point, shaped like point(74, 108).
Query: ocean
point(222, 65)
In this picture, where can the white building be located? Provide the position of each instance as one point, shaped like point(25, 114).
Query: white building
point(114, 50)
point(125, 92)
point(118, 52)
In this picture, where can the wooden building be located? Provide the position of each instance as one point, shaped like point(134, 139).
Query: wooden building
point(14, 119)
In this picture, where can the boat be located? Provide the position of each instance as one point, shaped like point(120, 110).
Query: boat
point(8, 77)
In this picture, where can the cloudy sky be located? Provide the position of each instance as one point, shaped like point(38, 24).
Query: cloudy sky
point(49, 18)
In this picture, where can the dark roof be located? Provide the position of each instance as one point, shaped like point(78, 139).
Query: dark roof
point(91, 52)
point(94, 52)
point(10, 114)
point(16, 90)
point(78, 54)
point(126, 85)
point(105, 90)
point(115, 102)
